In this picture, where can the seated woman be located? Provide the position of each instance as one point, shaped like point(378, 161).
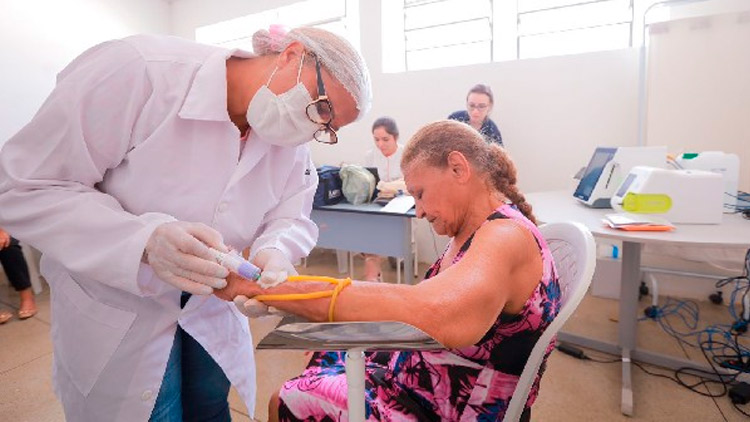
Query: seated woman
point(386, 157)
point(479, 102)
point(488, 298)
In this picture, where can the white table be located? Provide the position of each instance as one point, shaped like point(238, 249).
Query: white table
point(366, 228)
point(549, 207)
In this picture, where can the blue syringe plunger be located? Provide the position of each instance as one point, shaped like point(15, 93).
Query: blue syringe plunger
point(236, 263)
point(248, 270)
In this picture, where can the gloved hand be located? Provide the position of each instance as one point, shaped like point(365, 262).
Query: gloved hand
point(254, 308)
point(276, 269)
point(178, 254)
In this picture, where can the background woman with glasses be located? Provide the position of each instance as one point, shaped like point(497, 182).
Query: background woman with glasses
point(479, 104)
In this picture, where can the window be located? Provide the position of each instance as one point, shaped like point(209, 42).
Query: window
point(450, 32)
point(423, 34)
point(338, 16)
point(554, 27)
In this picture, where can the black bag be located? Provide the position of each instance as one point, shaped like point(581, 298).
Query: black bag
point(329, 186)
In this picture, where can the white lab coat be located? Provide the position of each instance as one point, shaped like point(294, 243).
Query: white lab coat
point(389, 168)
point(135, 134)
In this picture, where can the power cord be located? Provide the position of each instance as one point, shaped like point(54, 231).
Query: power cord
point(578, 353)
point(738, 392)
point(741, 286)
point(718, 343)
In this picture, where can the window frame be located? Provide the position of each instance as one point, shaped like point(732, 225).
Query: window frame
point(619, 19)
point(230, 33)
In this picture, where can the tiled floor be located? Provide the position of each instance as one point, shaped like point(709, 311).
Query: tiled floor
point(572, 390)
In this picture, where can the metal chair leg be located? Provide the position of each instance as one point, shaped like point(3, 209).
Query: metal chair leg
point(355, 383)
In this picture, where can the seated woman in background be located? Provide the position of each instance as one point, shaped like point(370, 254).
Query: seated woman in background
point(386, 157)
point(488, 298)
point(479, 102)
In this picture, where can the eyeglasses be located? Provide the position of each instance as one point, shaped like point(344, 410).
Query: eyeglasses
point(472, 106)
point(320, 111)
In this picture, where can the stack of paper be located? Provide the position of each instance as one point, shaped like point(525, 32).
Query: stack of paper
point(400, 204)
point(637, 222)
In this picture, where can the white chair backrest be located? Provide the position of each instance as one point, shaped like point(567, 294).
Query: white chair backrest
point(574, 251)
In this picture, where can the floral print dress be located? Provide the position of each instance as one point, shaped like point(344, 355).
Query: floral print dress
point(474, 383)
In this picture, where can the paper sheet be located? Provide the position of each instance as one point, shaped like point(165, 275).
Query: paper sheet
point(399, 205)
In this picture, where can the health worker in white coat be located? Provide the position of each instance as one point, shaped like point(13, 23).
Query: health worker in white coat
point(150, 150)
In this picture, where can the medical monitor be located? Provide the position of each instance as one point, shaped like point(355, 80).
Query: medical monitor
point(608, 169)
point(593, 172)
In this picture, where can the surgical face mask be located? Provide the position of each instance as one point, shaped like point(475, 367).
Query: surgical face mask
point(281, 119)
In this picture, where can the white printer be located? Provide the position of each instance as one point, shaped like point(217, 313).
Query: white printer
point(720, 162)
point(680, 196)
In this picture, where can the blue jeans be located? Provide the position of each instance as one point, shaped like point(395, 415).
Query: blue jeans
point(194, 387)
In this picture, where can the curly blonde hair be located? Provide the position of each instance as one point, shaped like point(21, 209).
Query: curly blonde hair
point(434, 142)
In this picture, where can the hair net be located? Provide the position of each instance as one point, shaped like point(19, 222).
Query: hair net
point(335, 54)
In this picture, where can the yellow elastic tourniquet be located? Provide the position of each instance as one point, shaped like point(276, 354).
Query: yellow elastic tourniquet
point(333, 294)
point(336, 290)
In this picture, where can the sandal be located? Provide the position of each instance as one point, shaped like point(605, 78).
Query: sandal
point(5, 316)
point(27, 313)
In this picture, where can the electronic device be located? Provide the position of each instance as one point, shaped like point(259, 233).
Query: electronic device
point(728, 165)
point(680, 196)
point(739, 393)
point(607, 169)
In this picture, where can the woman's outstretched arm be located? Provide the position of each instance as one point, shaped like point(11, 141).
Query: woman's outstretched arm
point(456, 307)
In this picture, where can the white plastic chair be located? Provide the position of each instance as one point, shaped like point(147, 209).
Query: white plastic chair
point(574, 251)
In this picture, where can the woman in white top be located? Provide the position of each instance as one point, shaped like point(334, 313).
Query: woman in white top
point(386, 157)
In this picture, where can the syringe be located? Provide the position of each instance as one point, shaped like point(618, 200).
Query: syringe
point(233, 261)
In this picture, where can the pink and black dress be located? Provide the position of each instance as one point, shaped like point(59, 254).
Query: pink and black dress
point(474, 383)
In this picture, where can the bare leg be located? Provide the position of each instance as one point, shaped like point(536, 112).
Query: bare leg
point(27, 308)
point(5, 316)
point(273, 407)
point(372, 267)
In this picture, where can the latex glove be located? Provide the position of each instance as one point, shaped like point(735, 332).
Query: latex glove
point(276, 268)
point(252, 308)
point(178, 254)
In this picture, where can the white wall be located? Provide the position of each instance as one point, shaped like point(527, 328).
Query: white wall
point(699, 89)
point(39, 37)
point(187, 15)
point(699, 100)
point(552, 111)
